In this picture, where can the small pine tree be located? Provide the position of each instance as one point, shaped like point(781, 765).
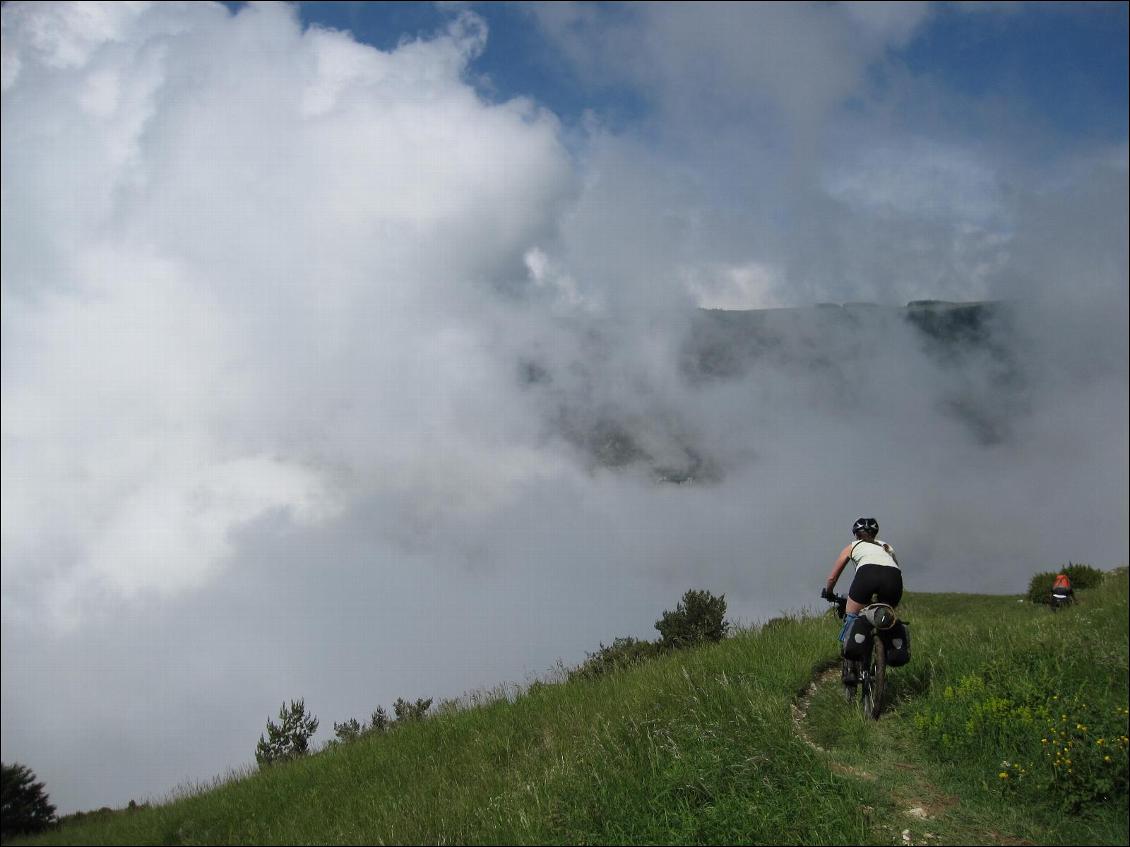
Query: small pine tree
point(347, 731)
point(288, 739)
point(408, 711)
point(379, 721)
point(24, 806)
point(699, 617)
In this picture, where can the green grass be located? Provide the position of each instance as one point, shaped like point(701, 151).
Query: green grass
point(700, 746)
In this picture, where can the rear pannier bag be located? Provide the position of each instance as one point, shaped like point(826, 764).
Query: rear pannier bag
point(897, 641)
point(857, 640)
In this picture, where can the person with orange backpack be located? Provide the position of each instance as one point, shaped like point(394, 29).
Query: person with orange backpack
point(1062, 592)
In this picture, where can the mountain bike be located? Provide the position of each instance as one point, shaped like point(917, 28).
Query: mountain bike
point(869, 674)
point(1059, 600)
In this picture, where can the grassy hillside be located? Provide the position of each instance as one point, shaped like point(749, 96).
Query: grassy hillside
point(1008, 727)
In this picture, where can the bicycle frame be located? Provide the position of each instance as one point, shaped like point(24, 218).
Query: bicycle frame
point(871, 674)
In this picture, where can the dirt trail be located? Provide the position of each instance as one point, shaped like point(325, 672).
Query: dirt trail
point(917, 810)
point(924, 806)
point(804, 701)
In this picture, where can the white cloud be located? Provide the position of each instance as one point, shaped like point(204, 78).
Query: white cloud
point(65, 35)
point(752, 285)
point(921, 178)
point(718, 62)
point(892, 24)
point(252, 255)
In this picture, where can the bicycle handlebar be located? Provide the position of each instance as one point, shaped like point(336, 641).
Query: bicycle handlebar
point(841, 602)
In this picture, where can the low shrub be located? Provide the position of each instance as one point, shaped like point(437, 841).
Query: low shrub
point(700, 617)
point(620, 654)
point(1081, 576)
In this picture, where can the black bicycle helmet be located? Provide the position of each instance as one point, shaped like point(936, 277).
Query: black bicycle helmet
point(869, 525)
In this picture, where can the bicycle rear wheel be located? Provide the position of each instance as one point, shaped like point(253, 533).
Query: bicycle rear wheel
point(874, 680)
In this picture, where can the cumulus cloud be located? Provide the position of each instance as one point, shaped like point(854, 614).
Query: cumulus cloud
point(786, 62)
point(324, 375)
point(247, 241)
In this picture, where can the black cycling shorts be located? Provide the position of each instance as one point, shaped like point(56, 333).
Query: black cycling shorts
point(882, 580)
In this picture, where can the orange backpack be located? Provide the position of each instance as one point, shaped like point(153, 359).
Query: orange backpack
point(1062, 583)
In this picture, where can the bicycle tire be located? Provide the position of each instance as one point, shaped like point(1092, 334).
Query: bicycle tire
point(849, 691)
point(874, 680)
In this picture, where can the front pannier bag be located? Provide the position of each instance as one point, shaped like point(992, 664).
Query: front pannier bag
point(857, 641)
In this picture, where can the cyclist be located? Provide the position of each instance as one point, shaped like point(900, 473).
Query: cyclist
point(877, 572)
point(1062, 592)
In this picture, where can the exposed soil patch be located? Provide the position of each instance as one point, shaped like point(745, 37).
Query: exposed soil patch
point(802, 704)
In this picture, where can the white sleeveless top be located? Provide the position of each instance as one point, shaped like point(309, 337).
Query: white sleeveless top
point(872, 553)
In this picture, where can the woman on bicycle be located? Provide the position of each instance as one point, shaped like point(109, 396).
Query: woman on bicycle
point(877, 571)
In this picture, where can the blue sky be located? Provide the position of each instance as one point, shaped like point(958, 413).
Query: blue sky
point(1064, 64)
point(519, 60)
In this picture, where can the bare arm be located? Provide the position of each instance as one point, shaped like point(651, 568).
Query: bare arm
point(838, 568)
